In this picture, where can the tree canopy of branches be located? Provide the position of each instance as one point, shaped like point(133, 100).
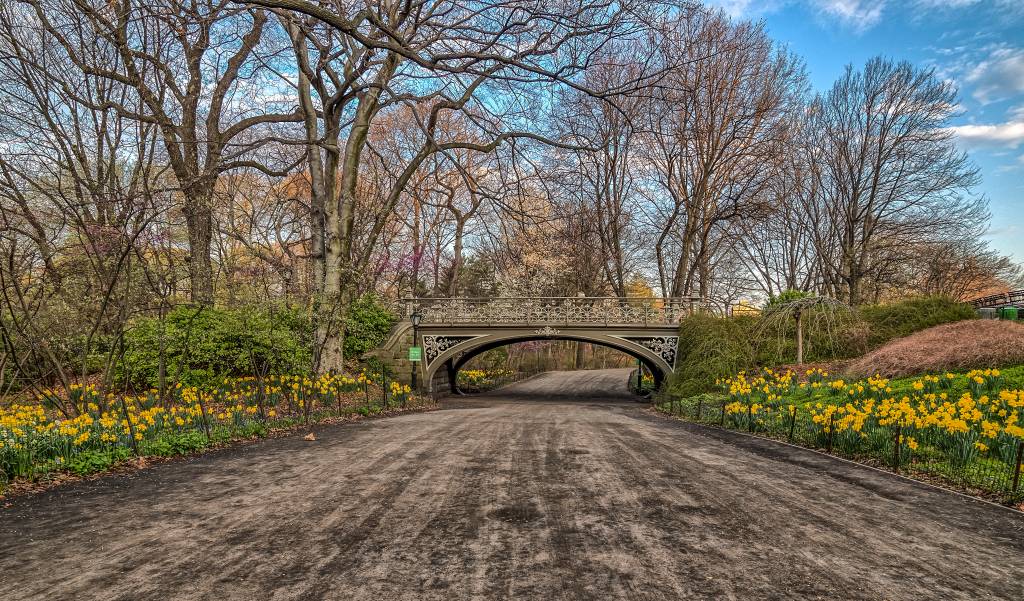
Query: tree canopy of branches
point(306, 153)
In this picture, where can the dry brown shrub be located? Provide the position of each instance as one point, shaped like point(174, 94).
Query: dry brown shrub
point(969, 344)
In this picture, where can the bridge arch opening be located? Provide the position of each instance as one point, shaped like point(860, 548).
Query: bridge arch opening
point(442, 375)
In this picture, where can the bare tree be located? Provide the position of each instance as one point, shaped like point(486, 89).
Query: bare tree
point(777, 245)
point(436, 59)
point(79, 191)
point(888, 174)
point(962, 269)
point(199, 73)
point(598, 180)
point(715, 132)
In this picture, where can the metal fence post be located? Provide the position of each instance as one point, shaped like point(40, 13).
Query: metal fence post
point(131, 426)
point(792, 423)
point(831, 431)
point(896, 450)
point(1016, 469)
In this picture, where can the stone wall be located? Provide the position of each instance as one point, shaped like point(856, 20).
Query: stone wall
point(395, 351)
point(442, 383)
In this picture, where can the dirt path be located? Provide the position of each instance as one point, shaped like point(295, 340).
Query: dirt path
point(502, 497)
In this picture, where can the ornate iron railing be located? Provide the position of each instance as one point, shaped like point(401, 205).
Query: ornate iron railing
point(530, 311)
point(1015, 297)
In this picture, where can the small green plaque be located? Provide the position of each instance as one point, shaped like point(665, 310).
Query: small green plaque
point(415, 353)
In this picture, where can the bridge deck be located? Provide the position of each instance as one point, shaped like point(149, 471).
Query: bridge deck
point(1004, 299)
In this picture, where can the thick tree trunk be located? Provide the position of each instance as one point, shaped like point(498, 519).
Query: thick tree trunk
point(339, 225)
point(456, 272)
point(199, 223)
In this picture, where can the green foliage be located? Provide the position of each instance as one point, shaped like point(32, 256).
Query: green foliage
point(714, 347)
point(476, 278)
point(828, 335)
point(377, 370)
point(92, 461)
point(710, 348)
point(172, 444)
point(1013, 377)
point(786, 296)
point(491, 360)
point(896, 320)
point(203, 345)
point(367, 325)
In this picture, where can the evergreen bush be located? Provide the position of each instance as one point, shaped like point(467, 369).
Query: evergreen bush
point(201, 345)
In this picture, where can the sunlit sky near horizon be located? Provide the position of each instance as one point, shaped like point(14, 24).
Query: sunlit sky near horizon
point(978, 44)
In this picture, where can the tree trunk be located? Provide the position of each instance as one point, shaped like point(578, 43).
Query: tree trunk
point(199, 223)
point(799, 338)
point(456, 272)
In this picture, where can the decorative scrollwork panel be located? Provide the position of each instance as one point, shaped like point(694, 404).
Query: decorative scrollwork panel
point(663, 346)
point(434, 346)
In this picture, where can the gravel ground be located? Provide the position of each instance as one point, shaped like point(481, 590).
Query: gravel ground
point(559, 487)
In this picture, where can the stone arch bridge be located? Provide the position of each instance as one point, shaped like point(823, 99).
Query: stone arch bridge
point(452, 331)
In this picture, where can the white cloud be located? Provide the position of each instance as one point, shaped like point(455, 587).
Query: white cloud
point(860, 15)
point(999, 76)
point(733, 8)
point(1005, 8)
point(944, 4)
point(747, 9)
point(1009, 134)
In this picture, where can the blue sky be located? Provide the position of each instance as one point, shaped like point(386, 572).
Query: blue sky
point(978, 44)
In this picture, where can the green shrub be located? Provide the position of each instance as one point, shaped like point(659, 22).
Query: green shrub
point(715, 347)
point(829, 334)
point(203, 345)
point(178, 443)
point(367, 325)
point(786, 296)
point(90, 462)
point(896, 320)
point(711, 348)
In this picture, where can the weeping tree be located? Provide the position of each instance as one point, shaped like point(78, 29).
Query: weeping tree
point(807, 312)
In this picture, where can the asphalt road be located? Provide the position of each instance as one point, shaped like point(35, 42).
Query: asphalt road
point(585, 495)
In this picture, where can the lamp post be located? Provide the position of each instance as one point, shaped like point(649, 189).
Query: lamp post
point(416, 317)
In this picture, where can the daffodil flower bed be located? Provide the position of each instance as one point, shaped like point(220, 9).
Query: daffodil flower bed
point(963, 429)
point(480, 379)
point(84, 431)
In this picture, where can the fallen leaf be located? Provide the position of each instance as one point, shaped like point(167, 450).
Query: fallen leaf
point(309, 436)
